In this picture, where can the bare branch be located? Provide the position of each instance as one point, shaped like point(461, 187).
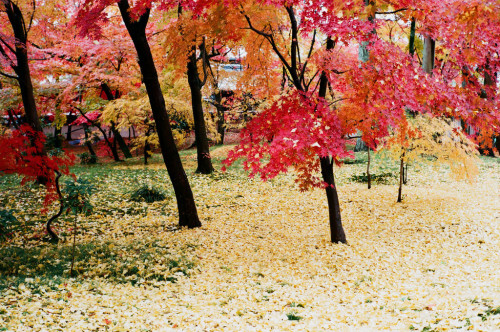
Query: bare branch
point(8, 75)
point(7, 45)
point(32, 16)
point(303, 71)
point(391, 12)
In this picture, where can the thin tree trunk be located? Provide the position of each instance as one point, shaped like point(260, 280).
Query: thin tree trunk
point(489, 81)
point(402, 168)
point(57, 137)
point(200, 130)
point(220, 117)
point(53, 235)
point(188, 215)
point(147, 146)
point(401, 176)
point(337, 234)
point(368, 171)
point(116, 133)
point(73, 247)
point(110, 145)
point(88, 143)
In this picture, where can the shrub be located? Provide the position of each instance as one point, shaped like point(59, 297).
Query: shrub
point(87, 159)
point(147, 194)
point(376, 178)
point(8, 223)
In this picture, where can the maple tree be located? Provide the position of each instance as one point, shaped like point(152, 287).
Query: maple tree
point(371, 97)
point(136, 19)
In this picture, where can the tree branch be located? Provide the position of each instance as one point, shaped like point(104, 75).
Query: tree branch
point(303, 71)
point(391, 12)
point(7, 45)
point(8, 76)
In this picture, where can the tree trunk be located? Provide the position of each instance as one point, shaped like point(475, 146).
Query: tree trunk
point(337, 234)
point(22, 70)
point(68, 134)
point(116, 133)
point(428, 55)
point(88, 143)
point(110, 145)
point(200, 130)
point(364, 56)
point(147, 146)
point(57, 137)
point(188, 215)
point(368, 171)
point(401, 177)
point(490, 81)
point(54, 238)
point(220, 117)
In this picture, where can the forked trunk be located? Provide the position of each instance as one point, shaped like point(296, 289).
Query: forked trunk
point(188, 215)
point(116, 133)
point(88, 143)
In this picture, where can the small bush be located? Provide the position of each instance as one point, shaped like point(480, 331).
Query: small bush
point(87, 159)
point(293, 316)
point(8, 223)
point(376, 178)
point(147, 194)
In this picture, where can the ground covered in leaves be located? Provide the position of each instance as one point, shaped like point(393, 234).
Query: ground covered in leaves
point(262, 260)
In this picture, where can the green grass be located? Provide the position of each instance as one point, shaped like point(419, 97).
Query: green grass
point(116, 262)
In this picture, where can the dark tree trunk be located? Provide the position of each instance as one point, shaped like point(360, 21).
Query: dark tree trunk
point(489, 81)
point(146, 152)
point(53, 236)
point(57, 137)
point(188, 215)
point(13, 120)
point(147, 146)
point(368, 171)
point(22, 70)
point(337, 233)
point(110, 145)
point(220, 117)
point(118, 137)
point(200, 130)
point(88, 143)
point(68, 133)
point(401, 178)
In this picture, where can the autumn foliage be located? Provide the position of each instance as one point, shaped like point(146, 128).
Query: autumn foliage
point(20, 154)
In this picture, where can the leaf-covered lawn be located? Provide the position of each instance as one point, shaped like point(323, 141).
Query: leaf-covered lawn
point(262, 259)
